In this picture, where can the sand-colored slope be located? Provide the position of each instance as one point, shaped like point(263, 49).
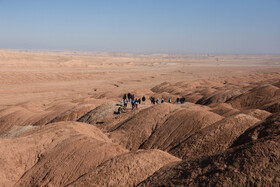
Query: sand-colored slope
point(30, 113)
point(134, 131)
point(74, 114)
point(127, 169)
point(272, 107)
point(257, 97)
point(218, 90)
point(54, 111)
point(20, 153)
point(179, 126)
point(277, 84)
point(215, 138)
point(106, 118)
point(269, 128)
point(103, 114)
point(257, 113)
point(254, 163)
point(68, 161)
point(224, 109)
point(15, 115)
point(219, 97)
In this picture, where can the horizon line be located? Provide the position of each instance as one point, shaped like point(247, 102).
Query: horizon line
point(130, 52)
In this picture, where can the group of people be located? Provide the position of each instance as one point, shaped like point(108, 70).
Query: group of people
point(136, 101)
point(154, 100)
point(182, 100)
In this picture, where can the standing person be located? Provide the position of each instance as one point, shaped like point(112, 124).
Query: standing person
point(125, 103)
point(132, 103)
point(157, 100)
point(129, 96)
point(177, 100)
point(124, 97)
point(136, 103)
point(182, 100)
point(169, 100)
point(162, 100)
point(143, 100)
point(139, 101)
point(152, 100)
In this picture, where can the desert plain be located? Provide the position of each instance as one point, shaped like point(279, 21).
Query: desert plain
point(59, 127)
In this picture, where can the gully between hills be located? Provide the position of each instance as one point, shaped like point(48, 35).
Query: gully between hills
point(226, 134)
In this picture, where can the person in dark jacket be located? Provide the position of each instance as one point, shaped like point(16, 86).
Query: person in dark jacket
point(124, 97)
point(182, 100)
point(132, 103)
point(129, 96)
point(143, 99)
point(153, 100)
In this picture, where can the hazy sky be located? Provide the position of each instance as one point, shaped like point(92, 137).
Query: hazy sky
point(173, 26)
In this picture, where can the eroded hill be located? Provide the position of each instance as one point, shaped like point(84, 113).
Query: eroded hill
point(226, 133)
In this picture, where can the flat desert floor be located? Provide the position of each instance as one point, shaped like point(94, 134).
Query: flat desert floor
point(58, 121)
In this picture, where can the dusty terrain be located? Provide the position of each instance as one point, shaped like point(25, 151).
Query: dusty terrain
point(58, 125)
